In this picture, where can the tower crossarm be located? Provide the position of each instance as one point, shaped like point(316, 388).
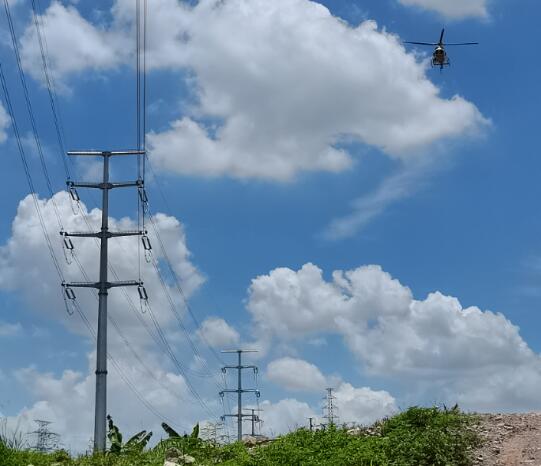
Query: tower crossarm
point(108, 185)
point(239, 367)
point(242, 390)
point(98, 285)
point(102, 234)
point(105, 153)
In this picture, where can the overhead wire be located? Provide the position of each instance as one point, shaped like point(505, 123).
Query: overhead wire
point(60, 136)
point(26, 167)
point(30, 182)
point(141, 115)
point(32, 117)
point(122, 375)
point(50, 88)
point(127, 342)
point(59, 132)
point(179, 287)
point(31, 114)
point(42, 23)
point(55, 113)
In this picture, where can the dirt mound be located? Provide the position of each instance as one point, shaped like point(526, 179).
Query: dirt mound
point(510, 440)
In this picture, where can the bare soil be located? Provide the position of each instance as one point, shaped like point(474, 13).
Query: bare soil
point(510, 440)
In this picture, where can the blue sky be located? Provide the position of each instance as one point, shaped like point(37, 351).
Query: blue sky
point(458, 214)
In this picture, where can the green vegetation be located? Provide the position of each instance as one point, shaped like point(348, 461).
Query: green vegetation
point(418, 436)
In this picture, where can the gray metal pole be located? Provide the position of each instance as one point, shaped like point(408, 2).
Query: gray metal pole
point(103, 285)
point(240, 398)
point(101, 354)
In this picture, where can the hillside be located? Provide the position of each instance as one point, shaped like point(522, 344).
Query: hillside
point(509, 440)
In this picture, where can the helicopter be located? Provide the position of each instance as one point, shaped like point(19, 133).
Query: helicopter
point(440, 57)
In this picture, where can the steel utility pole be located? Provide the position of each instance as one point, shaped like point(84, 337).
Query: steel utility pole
point(239, 391)
point(103, 285)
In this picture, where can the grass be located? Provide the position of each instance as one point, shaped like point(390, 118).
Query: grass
point(416, 437)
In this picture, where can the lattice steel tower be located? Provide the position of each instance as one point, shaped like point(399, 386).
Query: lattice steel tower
point(330, 410)
point(46, 441)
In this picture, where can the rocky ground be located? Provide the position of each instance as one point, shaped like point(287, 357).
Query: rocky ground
point(511, 440)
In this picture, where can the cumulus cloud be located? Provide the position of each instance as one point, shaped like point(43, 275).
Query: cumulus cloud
point(59, 397)
point(26, 253)
point(456, 9)
point(285, 416)
point(395, 335)
point(277, 86)
point(291, 84)
point(296, 374)
point(74, 44)
point(353, 406)
point(67, 399)
point(218, 333)
point(363, 405)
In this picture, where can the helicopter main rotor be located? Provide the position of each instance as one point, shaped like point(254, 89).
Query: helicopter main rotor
point(441, 43)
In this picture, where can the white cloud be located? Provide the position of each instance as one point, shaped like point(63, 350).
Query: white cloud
point(8, 330)
point(455, 9)
point(363, 405)
point(296, 374)
point(353, 406)
point(395, 335)
point(277, 85)
point(218, 333)
point(67, 399)
point(74, 44)
point(290, 84)
point(26, 253)
point(285, 416)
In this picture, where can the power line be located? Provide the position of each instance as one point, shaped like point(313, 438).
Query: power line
point(59, 128)
point(50, 89)
point(52, 254)
point(30, 110)
point(121, 373)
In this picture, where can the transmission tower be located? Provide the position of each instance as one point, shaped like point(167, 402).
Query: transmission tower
point(103, 285)
point(47, 441)
point(330, 410)
point(254, 419)
point(239, 390)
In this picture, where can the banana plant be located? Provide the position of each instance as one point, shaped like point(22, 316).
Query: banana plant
point(135, 444)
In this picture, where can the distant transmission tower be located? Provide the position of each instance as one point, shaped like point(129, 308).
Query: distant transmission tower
point(254, 419)
point(330, 410)
point(47, 441)
point(239, 390)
